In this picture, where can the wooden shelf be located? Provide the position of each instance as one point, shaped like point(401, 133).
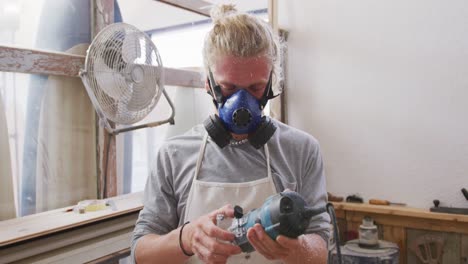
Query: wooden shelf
point(32, 226)
point(402, 217)
point(399, 211)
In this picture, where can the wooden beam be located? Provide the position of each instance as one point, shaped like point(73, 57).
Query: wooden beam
point(183, 78)
point(196, 6)
point(276, 104)
point(273, 15)
point(14, 59)
point(283, 34)
point(102, 15)
point(32, 61)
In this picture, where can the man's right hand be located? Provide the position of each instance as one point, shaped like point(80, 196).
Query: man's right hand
point(202, 237)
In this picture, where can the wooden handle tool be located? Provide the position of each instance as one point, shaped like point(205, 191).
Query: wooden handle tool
point(384, 202)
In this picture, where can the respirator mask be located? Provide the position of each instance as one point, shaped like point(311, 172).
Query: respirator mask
point(239, 113)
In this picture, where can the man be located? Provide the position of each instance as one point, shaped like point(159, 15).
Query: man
point(237, 157)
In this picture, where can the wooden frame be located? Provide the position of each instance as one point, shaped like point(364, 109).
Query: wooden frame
point(195, 6)
point(102, 15)
point(277, 105)
point(34, 61)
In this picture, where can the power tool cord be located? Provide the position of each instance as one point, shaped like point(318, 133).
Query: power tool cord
point(336, 235)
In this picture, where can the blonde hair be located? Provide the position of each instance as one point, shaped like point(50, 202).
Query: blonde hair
point(241, 35)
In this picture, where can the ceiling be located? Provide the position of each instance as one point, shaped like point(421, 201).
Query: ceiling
point(151, 14)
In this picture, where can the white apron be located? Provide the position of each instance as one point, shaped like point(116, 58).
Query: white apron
point(205, 197)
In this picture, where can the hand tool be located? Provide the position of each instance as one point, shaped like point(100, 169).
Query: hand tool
point(354, 199)
point(334, 198)
point(384, 202)
point(465, 193)
point(449, 210)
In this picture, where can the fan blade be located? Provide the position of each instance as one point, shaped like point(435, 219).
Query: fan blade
point(112, 49)
point(112, 83)
point(142, 96)
point(131, 48)
point(123, 115)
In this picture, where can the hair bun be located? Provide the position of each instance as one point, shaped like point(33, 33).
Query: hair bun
point(220, 11)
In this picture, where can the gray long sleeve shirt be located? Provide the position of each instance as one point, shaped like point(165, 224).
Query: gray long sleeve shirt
point(295, 161)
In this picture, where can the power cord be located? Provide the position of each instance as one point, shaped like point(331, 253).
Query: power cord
point(336, 235)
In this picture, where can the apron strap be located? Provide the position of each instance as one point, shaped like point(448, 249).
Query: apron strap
point(267, 157)
point(201, 153)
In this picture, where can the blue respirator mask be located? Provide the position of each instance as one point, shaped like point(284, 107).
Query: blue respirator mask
point(239, 113)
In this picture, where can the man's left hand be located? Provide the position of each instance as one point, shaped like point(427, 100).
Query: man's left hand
point(269, 248)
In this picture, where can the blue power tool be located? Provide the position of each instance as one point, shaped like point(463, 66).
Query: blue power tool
point(285, 214)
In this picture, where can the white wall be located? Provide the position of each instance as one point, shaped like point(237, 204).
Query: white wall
point(383, 85)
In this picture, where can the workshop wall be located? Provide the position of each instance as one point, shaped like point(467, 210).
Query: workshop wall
point(384, 87)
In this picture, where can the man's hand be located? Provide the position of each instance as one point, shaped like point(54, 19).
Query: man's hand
point(266, 246)
point(304, 249)
point(202, 236)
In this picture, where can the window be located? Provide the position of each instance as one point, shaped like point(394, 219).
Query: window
point(38, 24)
point(47, 129)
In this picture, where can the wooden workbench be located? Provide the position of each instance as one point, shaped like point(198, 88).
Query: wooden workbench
point(403, 225)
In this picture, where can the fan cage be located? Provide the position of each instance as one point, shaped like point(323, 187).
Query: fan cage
point(125, 73)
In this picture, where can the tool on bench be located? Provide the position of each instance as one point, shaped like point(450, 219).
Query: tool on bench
point(465, 193)
point(334, 198)
point(354, 199)
point(450, 210)
point(384, 202)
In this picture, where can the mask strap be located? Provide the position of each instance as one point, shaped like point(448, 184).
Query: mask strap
point(268, 93)
point(215, 90)
point(218, 98)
